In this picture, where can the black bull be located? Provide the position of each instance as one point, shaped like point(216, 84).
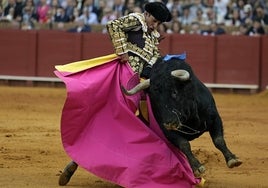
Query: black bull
point(184, 109)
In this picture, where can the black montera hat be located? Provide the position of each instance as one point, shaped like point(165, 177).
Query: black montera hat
point(159, 11)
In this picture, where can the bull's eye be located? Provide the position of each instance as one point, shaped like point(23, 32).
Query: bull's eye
point(174, 94)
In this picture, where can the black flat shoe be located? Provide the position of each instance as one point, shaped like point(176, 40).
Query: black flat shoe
point(67, 173)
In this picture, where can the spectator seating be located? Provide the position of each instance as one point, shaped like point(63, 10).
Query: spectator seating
point(4, 24)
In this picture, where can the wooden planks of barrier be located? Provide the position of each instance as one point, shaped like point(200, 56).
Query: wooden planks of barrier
point(53, 81)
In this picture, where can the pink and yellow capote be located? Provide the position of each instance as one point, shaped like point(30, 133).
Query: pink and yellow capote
point(100, 131)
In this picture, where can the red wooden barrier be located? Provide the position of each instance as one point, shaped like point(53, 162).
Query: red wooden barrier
point(96, 45)
point(200, 52)
point(17, 52)
point(222, 59)
point(56, 48)
point(238, 59)
point(164, 45)
point(264, 63)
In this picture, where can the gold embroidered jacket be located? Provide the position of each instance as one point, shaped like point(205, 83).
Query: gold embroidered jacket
point(129, 34)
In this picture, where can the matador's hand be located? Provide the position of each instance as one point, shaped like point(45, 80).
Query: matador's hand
point(124, 58)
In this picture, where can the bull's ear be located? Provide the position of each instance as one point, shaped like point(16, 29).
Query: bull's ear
point(159, 60)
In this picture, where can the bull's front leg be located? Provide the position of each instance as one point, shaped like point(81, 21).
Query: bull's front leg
point(216, 133)
point(185, 147)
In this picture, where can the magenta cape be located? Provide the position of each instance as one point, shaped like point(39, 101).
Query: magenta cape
point(101, 133)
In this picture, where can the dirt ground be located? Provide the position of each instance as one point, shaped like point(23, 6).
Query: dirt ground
point(31, 154)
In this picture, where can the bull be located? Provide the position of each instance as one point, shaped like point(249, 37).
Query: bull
point(184, 109)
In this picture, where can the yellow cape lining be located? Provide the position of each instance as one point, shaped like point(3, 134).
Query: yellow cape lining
point(85, 64)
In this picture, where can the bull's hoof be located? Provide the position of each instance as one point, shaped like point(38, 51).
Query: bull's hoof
point(198, 172)
point(234, 163)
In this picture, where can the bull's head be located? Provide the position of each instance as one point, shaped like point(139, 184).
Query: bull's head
point(164, 105)
point(182, 75)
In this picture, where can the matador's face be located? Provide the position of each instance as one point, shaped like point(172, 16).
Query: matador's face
point(151, 22)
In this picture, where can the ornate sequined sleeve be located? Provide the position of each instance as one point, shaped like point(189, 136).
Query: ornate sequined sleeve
point(156, 53)
point(117, 29)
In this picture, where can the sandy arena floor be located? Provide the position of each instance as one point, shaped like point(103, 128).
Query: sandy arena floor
point(31, 154)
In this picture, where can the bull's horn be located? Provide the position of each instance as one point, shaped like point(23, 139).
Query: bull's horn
point(181, 74)
point(141, 86)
